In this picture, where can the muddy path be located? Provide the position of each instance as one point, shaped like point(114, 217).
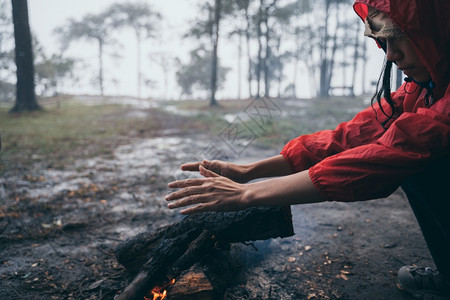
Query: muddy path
point(58, 228)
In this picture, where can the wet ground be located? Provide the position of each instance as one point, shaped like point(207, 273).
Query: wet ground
point(58, 228)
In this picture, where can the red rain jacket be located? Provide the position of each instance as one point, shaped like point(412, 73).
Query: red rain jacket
point(360, 160)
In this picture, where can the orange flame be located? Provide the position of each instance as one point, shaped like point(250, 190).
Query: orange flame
point(159, 293)
point(159, 296)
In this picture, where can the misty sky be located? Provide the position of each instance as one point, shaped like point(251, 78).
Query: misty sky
point(46, 15)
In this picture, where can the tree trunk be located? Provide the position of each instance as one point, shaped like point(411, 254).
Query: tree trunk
point(323, 55)
point(249, 56)
point(330, 65)
point(267, 54)
point(215, 40)
point(296, 63)
point(100, 70)
point(356, 57)
point(280, 64)
point(139, 73)
point(259, 61)
point(239, 66)
point(294, 77)
point(25, 92)
point(364, 65)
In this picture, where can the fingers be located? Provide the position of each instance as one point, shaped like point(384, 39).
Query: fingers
point(195, 192)
point(191, 192)
point(189, 200)
point(198, 208)
point(216, 166)
point(191, 166)
point(186, 183)
point(207, 173)
point(203, 167)
point(194, 166)
point(185, 192)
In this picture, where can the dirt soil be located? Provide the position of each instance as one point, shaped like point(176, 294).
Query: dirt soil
point(58, 228)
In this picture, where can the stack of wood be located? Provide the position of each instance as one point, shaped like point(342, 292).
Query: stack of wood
point(178, 251)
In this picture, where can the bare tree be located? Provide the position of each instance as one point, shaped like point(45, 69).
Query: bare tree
point(209, 26)
point(90, 27)
point(7, 65)
point(329, 45)
point(283, 20)
point(143, 20)
point(263, 36)
point(242, 7)
point(51, 73)
point(357, 54)
point(215, 45)
point(193, 76)
point(25, 88)
point(302, 51)
point(166, 62)
point(240, 35)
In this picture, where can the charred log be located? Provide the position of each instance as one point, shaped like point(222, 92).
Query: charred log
point(192, 285)
point(166, 252)
point(249, 225)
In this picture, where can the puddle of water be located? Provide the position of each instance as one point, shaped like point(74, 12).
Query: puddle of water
point(297, 112)
point(175, 110)
point(126, 101)
point(155, 155)
point(230, 118)
point(136, 114)
point(56, 187)
point(161, 156)
point(158, 156)
point(297, 103)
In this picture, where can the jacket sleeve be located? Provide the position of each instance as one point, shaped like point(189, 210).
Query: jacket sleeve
point(305, 151)
point(376, 169)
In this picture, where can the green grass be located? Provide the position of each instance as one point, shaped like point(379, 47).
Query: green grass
point(72, 131)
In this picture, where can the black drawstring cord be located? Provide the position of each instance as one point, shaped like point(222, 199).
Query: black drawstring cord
point(408, 80)
point(429, 86)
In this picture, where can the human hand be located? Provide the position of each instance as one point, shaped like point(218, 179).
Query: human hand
point(211, 193)
point(234, 172)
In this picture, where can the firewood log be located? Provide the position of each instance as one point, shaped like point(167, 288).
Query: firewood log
point(167, 251)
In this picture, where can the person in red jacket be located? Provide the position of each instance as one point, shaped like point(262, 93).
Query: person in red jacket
point(402, 139)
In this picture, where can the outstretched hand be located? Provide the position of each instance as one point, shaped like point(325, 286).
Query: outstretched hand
point(233, 171)
point(211, 193)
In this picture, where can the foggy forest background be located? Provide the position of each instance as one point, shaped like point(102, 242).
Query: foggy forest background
point(283, 46)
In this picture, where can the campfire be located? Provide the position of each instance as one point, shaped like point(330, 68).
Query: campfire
point(159, 292)
point(191, 255)
point(157, 295)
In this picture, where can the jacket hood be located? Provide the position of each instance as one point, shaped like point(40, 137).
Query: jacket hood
point(426, 23)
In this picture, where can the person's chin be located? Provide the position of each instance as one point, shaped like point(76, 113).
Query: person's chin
point(417, 77)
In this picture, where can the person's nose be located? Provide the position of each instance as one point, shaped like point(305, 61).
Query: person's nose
point(393, 52)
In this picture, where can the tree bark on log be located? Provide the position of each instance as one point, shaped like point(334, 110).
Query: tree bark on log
point(164, 253)
point(192, 285)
